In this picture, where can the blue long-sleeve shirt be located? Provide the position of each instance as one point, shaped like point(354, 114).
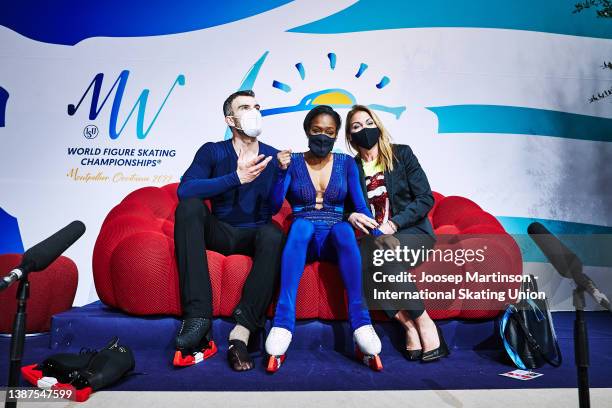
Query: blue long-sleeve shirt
point(296, 185)
point(212, 175)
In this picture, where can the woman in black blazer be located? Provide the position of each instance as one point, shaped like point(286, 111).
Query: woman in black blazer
point(398, 193)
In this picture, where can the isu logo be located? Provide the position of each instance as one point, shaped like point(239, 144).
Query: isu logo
point(90, 132)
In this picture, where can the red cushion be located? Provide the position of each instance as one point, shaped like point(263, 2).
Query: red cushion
point(135, 269)
point(332, 297)
point(452, 208)
point(233, 275)
point(52, 291)
point(441, 309)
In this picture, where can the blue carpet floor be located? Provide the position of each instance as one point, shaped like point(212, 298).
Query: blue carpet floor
point(320, 357)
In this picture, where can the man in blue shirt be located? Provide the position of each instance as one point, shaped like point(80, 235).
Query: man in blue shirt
point(236, 176)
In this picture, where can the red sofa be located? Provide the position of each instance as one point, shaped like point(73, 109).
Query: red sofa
point(51, 291)
point(135, 270)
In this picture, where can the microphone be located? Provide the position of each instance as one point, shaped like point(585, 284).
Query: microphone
point(42, 254)
point(565, 262)
point(560, 256)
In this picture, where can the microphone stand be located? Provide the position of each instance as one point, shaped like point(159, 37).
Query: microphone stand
point(581, 348)
point(37, 258)
point(18, 337)
point(570, 266)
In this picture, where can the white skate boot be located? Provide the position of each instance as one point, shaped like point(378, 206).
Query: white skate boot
point(368, 347)
point(277, 344)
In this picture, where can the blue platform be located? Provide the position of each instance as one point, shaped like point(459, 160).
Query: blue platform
point(320, 357)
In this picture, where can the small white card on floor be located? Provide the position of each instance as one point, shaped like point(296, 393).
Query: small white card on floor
point(522, 375)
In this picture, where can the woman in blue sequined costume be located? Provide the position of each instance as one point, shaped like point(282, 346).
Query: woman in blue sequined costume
point(316, 184)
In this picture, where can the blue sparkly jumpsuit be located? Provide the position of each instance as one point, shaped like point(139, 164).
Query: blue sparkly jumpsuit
point(320, 234)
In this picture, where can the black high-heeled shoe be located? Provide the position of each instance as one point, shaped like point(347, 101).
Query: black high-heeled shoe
point(437, 353)
point(413, 355)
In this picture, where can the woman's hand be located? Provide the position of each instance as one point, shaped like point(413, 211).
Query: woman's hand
point(362, 222)
point(387, 242)
point(284, 159)
point(388, 227)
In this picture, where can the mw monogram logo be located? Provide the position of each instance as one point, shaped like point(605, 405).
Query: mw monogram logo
point(120, 83)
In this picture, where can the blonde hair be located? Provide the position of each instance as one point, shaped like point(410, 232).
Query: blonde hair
point(385, 150)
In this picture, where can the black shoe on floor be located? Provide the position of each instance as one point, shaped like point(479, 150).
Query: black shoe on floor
point(437, 353)
point(413, 355)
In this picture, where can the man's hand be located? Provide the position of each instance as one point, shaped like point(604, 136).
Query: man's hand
point(284, 159)
point(362, 222)
point(248, 170)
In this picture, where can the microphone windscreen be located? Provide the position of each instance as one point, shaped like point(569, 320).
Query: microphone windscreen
point(560, 256)
point(42, 254)
point(537, 228)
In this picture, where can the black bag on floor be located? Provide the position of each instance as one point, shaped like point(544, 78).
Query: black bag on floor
point(528, 333)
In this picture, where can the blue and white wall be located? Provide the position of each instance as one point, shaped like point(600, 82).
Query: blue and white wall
point(506, 103)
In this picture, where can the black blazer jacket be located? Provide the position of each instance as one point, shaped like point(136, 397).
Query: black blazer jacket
point(410, 196)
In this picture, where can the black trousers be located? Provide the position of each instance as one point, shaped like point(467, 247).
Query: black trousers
point(412, 238)
point(196, 230)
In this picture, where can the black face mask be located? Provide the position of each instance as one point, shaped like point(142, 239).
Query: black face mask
point(320, 144)
point(366, 137)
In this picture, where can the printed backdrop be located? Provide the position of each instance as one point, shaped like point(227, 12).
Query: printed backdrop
point(506, 103)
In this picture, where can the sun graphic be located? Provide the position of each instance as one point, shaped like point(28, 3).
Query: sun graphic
point(334, 97)
point(337, 98)
point(331, 97)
